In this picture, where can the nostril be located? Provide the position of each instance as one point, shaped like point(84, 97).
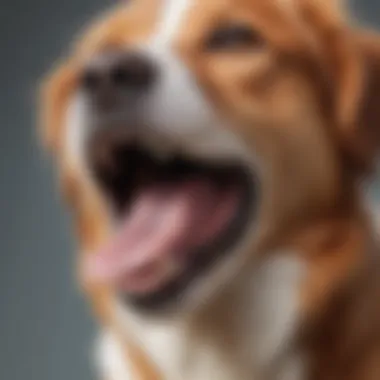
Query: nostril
point(91, 80)
point(111, 73)
point(120, 76)
point(134, 71)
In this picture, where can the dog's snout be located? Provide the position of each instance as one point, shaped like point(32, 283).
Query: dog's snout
point(117, 72)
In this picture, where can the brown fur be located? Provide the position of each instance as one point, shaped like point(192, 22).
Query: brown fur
point(308, 103)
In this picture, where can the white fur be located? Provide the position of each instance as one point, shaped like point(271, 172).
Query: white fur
point(274, 308)
point(173, 12)
point(110, 358)
point(178, 114)
point(275, 304)
point(77, 124)
point(266, 312)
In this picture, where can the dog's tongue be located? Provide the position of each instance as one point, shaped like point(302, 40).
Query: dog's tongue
point(163, 221)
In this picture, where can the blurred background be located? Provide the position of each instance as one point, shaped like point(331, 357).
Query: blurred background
point(45, 327)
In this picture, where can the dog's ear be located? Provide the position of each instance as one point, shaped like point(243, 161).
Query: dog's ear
point(351, 59)
point(365, 136)
point(357, 98)
point(54, 98)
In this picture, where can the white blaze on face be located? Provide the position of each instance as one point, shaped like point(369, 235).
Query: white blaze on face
point(177, 107)
point(173, 13)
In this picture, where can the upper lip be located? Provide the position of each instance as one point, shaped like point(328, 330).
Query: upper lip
point(126, 163)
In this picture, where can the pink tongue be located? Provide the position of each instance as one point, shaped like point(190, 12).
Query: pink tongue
point(162, 222)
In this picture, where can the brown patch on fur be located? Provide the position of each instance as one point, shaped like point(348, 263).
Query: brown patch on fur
point(333, 254)
point(124, 25)
point(303, 38)
point(365, 137)
point(55, 95)
point(344, 335)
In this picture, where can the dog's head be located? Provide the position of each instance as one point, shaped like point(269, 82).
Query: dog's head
point(192, 135)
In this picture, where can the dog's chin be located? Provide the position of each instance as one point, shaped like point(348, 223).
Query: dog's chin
point(178, 219)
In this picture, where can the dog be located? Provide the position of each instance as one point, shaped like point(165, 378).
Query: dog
point(215, 156)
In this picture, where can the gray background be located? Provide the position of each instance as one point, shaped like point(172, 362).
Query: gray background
point(45, 327)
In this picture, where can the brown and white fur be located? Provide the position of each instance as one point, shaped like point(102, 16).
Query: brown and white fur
point(298, 298)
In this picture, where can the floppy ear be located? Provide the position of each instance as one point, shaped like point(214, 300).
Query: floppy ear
point(55, 94)
point(351, 59)
point(365, 139)
point(357, 98)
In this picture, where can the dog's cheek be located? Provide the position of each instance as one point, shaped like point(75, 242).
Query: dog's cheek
point(233, 84)
point(56, 92)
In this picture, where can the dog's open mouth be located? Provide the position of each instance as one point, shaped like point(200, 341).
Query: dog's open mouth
point(176, 217)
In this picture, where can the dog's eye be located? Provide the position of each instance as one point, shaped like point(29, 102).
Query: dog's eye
point(237, 36)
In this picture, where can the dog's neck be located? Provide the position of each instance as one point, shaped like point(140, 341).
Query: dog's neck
point(344, 341)
point(248, 330)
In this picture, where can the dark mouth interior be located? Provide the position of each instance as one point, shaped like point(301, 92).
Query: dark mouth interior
point(130, 167)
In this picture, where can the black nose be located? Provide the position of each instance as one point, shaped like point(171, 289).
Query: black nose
point(114, 72)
